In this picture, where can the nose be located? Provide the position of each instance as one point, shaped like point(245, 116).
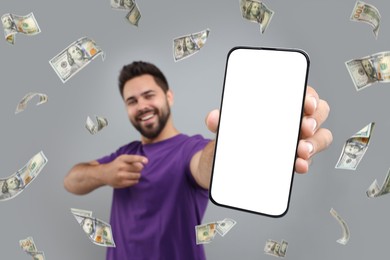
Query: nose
point(142, 104)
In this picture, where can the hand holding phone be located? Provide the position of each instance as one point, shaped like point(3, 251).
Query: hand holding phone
point(257, 138)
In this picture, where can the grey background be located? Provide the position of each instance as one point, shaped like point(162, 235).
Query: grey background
point(321, 28)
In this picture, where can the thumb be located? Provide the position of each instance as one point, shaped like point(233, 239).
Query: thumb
point(212, 120)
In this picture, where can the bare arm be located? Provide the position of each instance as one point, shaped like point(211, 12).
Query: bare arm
point(84, 177)
point(122, 172)
point(202, 162)
point(201, 165)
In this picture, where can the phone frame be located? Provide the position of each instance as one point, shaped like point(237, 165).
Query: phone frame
point(213, 200)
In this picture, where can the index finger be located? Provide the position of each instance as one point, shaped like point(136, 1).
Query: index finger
point(132, 158)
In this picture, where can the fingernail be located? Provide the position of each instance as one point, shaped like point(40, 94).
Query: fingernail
point(313, 123)
point(309, 146)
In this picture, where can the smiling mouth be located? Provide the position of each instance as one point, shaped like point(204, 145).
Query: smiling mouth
point(146, 117)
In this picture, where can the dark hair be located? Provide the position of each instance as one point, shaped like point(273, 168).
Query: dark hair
point(139, 68)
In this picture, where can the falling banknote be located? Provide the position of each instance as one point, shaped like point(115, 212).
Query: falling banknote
point(224, 226)
point(256, 11)
point(366, 13)
point(98, 231)
point(275, 248)
point(134, 15)
point(344, 239)
point(75, 57)
point(18, 181)
point(187, 45)
point(94, 128)
point(13, 24)
point(354, 148)
point(23, 102)
point(375, 191)
point(369, 69)
point(30, 248)
point(205, 233)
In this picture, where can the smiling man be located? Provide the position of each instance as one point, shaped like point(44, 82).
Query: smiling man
point(161, 182)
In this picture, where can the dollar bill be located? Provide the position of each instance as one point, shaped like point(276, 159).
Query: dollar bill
point(275, 248)
point(81, 212)
point(75, 57)
point(122, 4)
point(205, 233)
point(39, 255)
point(23, 102)
point(283, 248)
point(30, 248)
point(363, 12)
point(369, 69)
point(344, 239)
point(187, 45)
point(354, 148)
point(13, 24)
point(98, 231)
point(224, 226)
point(94, 128)
point(28, 245)
point(256, 11)
point(375, 191)
point(19, 181)
point(134, 15)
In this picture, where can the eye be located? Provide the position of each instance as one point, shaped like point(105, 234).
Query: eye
point(131, 101)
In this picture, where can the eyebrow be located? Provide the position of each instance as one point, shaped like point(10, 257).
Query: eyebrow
point(142, 94)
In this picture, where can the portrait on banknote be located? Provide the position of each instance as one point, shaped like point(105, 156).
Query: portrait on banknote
point(252, 11)
point(88, 226)
point(10, 186)
point(8, 24)
point(369, 69)
point(353, 152)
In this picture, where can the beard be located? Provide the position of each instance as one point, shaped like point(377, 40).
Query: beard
point(151, 131)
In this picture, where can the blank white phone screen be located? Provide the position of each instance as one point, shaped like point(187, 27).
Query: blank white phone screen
point(258, 133)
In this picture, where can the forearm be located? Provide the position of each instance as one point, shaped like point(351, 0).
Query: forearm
point(205, 165)
point(84, 178)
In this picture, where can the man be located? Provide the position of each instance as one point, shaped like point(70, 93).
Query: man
point(161, 182)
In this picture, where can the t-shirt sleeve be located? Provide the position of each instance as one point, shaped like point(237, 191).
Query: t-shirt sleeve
point(114, 155)
point(108, 158)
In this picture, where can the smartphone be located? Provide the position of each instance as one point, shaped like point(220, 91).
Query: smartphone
point(259, 126)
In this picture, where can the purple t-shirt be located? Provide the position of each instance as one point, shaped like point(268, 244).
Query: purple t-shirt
point(156, 218)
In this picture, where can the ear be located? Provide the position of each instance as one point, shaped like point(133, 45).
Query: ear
point(170, 97)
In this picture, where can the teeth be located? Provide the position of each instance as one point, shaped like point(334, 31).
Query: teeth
point(147, 117)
